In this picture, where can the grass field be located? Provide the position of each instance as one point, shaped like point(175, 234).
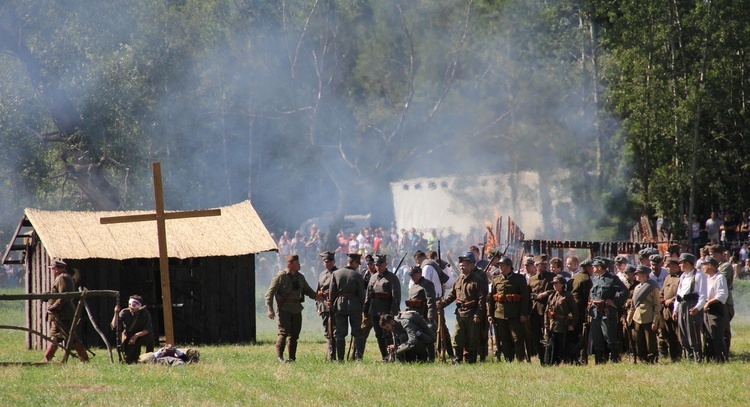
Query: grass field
point(249, 375)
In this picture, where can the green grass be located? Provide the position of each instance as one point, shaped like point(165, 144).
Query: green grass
point(249, 375)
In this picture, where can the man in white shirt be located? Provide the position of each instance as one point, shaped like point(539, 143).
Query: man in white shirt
point(690, 299)
point(715, 311)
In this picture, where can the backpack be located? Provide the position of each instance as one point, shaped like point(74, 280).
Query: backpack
point(444, 277)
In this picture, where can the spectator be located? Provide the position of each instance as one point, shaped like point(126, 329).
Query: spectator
point(713, 225)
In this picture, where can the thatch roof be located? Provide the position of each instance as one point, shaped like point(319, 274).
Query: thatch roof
point(79, 235)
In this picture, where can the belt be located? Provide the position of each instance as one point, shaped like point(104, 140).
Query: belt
point(467, 304)
point(414, 303)
point(687, 297)
point(346, 294)
point(507, 298)
point(289, 299)
point(383, 296)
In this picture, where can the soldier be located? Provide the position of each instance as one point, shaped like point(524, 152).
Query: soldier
point(347, 298)
point(383, 296)
point(691, 297)
point(135, 322)
point(715, 312)
point(469, 294)
point(669, 341)
point(422, 296)
point(580, 289)
point(726, 269)
point(562, 315)
point(608, 293)
point(621, 262)
point(540, 286)
point(289, 289)
point(626, 330)
point(60, 312)
point(484, 337)
point(366, 321)
point(645, 315)
point(413, 338)
point(431, 269)
point(509, 310)
point(324, 309)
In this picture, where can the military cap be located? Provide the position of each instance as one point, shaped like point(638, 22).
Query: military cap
point(710, 260)
point(559, 279)
point(647, 252)
point(380, 259)
point(599, 262)
point(670, 260)
point(717, 248)
point(507, 261)
point(542, 258)
point(643, 270)
point(630, 268)
point(59, 263)
point(469, 256)
point(354, 257)
point(687, 257)
point(529, 260)
point(415, 270)
point(290, 258)
point(585, 263)
point(655, 259)
point(369, 259)
point(328, 256)
point(621, 259)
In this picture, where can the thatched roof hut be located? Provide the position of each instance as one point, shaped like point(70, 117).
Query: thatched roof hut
point(211, 259)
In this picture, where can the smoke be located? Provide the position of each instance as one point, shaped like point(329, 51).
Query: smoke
point(301, 110)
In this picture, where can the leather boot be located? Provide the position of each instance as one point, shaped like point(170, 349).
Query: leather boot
point(472, 358)
point(340, 349)
point(359, 347)
point(459, 354)
point(50, 353)
point(599, 358)
point(280, 345)
point(614, 356)
point(383, 348)
point(81, 350)
point(292, 350)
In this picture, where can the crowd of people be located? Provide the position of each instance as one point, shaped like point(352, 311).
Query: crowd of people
point(645, 307)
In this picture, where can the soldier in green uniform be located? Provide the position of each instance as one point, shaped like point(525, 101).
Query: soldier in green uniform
point(608, 293)
point(383, 296)
point(669, 342)
point(469, 293)
point(324, 309)
point(60, 312)
point(414, 338)
point(508, 304)
point(725, 268)
point(580, 289)
point(627, 329)
point(289, 289)
point(562, 316)
point(347, 298)
point(540, 286)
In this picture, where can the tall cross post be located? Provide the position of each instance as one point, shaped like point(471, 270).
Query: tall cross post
point(161, 231)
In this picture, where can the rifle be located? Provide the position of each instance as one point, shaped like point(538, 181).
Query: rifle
point(400, 262)
point(546, 360)
point(440, 333)
point(118, 330)
point(489, 263)
point(440, 257)
point(392, 353)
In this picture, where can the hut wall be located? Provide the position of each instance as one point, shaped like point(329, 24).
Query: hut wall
point(213, 297)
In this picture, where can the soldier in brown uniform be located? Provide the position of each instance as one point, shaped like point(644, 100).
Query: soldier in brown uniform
point(60, 312)
point(484, 338)
point(627, 329)
point(540, 286)
point(289, 288)
point(509, 310)
point(347, 298)
point(383, 296)
point(580, 289)
point(324, 309)
point(645, 315)
point(562, 316)
point(469, 294)
point(669, 343)
point(370, 271)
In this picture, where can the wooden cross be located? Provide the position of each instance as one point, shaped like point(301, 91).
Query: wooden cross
point(160, 217)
